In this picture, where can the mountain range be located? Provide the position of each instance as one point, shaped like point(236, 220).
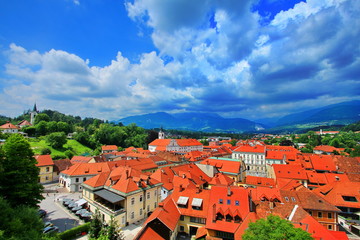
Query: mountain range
point(336, 114)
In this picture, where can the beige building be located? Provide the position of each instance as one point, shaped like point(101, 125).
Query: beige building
point(46, 166)
point(124, 193)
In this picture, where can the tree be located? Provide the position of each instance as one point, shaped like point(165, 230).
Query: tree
point(45, 151)
point(18, 174)
point(274, 228)
point(41, 128)
point(56, 139)
point(41, 117)
point(21, 222)
point(95, 225)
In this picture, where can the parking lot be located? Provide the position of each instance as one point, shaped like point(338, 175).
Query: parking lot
point(64, 219)
point(56, 213)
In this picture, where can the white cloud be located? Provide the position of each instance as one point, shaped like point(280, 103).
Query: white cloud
point(213, 56)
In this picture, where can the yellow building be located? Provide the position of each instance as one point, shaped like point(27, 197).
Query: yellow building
point(124, 193)
point(46, 166)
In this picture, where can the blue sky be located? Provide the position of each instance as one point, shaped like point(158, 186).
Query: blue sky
point(111, 59)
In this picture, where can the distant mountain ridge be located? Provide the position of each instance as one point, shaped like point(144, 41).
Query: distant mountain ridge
point(206, 122)
point(336, 114)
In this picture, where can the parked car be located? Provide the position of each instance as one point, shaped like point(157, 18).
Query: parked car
point(72, 205)
point(42, 213)
point(67, 202)
point(77, 208)
point(51, 229)
point(81, 211)
point(48, 224)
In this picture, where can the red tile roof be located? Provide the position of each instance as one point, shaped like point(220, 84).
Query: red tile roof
point(8, 125)
point(80, 159)
point(149, 233)
point(61, 164)
point(261, 181)
point(24, 123)
point(44, 160)
point(224, 166)
point(109, 148)
point(251, 149)
point(229, 204)
point(341, 194)
point(289, 171)
point(180, 142)
point(90, 168)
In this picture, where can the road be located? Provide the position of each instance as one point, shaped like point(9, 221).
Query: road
point(56, 213)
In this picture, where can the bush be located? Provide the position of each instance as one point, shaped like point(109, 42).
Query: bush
point(74, 232)
point(45, 151)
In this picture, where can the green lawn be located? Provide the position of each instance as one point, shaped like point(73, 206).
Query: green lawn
point(73, 145)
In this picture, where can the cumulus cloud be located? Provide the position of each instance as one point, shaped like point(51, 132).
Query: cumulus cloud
point(212, 56)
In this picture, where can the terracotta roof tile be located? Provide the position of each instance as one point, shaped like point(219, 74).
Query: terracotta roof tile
point(44, 160)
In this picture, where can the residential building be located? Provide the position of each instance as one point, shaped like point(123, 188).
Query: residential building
point(46, 166)
point(74, 176)
point(123, 193)
point(8, 127)
point(109, 148)
point(254, 159)
point(82, 159)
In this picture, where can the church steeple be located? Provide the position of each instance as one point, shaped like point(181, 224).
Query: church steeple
point(33, 113)
point(161, 134)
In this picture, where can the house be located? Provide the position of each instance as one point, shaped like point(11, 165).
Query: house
point(59, 166)
point(24, 123)
point(8, 127)
point(82, 159)
point(162, 223)
point(109, 148)
point(123, 193)
point(326, 149)
point(232, 168)
point(346, 197)
point(175, 145)
point(293, 172)
point(254, 159)
point(46, 166)
point(72, 177)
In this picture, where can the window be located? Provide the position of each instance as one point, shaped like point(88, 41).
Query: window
point(132, 215)
point(141, 198)
point(228, 202)
point(148, 208)
point(330, 227)
point(46, 178)
point(84, 179)
point(310, 212)
point(148, 195)
point(329, 215)
point(220, 201)
point(286, 199)
point(197, 220)
point(132, 201)
point(349, 198)
point(319, 214)
point(76, 179)
point(140, 212)
point(182, 229)
point(182, 218)
point(155, 204)
point(155, 193)
point(47, 169)
point(237, 203)
point(293, 199)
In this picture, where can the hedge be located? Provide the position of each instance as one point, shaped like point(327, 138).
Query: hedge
point(74, 232)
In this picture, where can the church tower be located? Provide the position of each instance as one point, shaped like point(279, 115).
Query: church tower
point(33, 114)
point(161, 134)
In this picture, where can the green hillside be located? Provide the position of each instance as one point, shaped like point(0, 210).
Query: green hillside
point(73, 145)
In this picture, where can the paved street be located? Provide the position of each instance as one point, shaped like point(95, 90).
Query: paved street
point(61, 217)
point(56, 213)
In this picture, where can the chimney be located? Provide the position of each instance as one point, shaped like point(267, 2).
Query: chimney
point(127, 174)
point(161, 205)
point(228, 191)
point(181, 188)
point(214, 212)
point(198, 190)
point(271, 204)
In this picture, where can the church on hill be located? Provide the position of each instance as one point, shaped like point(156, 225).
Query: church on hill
point(174, 145)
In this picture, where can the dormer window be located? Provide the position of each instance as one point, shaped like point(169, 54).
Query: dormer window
point(219, 216)
point(349, 198)
point(182, 202)
point(229, 218)
point(237, 219)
